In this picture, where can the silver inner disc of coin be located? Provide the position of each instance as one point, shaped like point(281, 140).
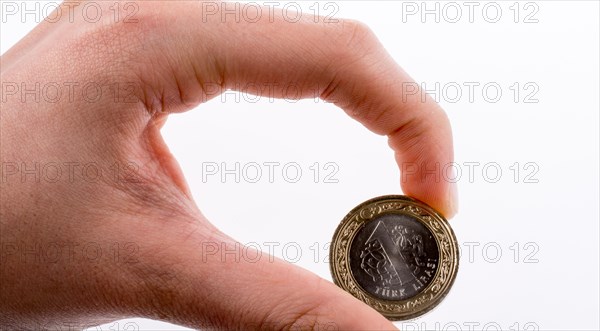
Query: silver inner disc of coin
point(394, 257)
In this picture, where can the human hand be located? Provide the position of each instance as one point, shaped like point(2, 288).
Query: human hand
point(166, 60)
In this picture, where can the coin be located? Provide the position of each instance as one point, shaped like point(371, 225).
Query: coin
point(396, 254)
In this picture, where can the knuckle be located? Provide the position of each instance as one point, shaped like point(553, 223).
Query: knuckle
point(356, 36)
point(350, 41)
point(110, 41)
point(114, 31)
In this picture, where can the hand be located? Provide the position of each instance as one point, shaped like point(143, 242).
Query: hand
point(169, 57)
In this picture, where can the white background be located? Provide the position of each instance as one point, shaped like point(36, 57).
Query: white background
point(540, 264)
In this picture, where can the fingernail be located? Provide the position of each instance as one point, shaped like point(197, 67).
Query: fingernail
point(453, 194)
point(454, 198)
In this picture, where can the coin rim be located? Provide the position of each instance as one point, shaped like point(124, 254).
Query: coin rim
point(427, 299)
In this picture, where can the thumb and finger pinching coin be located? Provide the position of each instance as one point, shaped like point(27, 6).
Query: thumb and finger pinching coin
point(396, 254)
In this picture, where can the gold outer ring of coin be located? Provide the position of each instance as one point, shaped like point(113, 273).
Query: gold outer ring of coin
point(446, 241)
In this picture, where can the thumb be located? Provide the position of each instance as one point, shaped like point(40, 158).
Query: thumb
point(222, 284)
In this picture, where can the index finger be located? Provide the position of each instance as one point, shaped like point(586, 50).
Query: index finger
point(342, 61)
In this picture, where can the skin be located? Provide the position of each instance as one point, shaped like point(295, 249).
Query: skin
point(173, 62)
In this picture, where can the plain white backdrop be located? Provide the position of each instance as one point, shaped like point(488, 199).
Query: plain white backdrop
point(520, 82)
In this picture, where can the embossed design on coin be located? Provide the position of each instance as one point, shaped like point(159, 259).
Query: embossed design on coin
point(396, 254)
point(393, 257)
